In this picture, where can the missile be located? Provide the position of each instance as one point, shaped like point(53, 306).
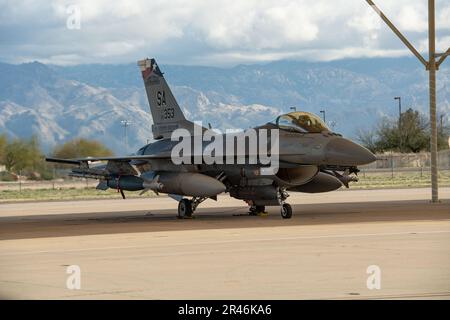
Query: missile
point(187, 183)
point(128, 183)
point(182, 183)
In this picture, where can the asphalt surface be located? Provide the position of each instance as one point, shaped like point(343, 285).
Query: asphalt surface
point(137, 249)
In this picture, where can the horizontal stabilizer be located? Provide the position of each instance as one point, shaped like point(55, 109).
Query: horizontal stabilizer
point(126, 158)
point(66, 161)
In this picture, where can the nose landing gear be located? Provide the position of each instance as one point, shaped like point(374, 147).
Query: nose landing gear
point(286, 211)
point(285, 208)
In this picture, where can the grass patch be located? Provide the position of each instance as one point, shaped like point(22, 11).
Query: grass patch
point(399, 180)
point(369, 180)
point(65, 194)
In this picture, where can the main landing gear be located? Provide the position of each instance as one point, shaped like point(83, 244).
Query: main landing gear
point(285, 208)
point(257, 211)
point(186, 207)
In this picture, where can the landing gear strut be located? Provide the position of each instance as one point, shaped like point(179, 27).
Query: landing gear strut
point(285, 209)
point(186, 207)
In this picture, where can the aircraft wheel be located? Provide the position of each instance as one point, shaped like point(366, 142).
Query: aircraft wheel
point(256, 210)
point(286, 211)
point(185, 208)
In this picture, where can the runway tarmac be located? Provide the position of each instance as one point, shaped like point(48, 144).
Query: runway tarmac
point(137, 249)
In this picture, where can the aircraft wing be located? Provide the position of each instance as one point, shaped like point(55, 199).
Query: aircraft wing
point(124, 159)
point(115, 166)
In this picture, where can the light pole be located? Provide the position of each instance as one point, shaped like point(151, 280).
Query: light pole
point(323, 114)
point(431, 66)
point(399, 111)
point(399, 122)
point(125, 124)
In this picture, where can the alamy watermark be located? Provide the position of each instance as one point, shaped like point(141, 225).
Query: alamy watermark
point(211, 146)
point(73, 281)
point(374, 278)
point(73, 21)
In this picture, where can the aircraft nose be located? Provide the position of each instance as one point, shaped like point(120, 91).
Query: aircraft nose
point(340, 151)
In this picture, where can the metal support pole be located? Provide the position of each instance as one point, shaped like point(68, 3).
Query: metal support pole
point(442, 58)
point(399, 122)
point(431, 66)
point(397, 32)
point(432, 74)
point(126, 139)
point(323, 112)
point(392, 165)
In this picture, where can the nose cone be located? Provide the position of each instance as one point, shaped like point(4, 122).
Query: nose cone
point(341, 151)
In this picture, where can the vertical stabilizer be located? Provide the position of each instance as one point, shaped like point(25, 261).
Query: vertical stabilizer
point(166, 113)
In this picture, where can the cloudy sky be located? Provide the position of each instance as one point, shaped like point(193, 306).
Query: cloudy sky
point(210, 32)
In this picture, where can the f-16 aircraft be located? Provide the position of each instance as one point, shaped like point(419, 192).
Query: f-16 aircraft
point(310, 158)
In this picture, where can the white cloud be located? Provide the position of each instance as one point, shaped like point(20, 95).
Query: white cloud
point(210, 32)
point(414, 18)
point(255, 24)
point(443, 18)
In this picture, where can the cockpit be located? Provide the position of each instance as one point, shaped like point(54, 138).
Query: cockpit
point(300, 121)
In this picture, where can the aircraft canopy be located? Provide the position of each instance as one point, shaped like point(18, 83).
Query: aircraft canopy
point(301, 121)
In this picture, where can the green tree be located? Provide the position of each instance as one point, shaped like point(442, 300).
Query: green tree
point(369, 139)
point(35, 154)
point(414, 132)
point(80, 148)
point(22, 154)
point(25, 156)
point(413, 135)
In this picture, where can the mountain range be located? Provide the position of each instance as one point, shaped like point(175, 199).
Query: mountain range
point(58, 103)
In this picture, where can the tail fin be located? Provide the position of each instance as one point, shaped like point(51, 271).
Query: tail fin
point(166, 113)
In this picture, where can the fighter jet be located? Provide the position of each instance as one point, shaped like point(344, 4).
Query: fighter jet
point(310, 158)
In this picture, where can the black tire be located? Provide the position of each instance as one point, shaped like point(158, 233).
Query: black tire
point(185, 208)
point(286, 211)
